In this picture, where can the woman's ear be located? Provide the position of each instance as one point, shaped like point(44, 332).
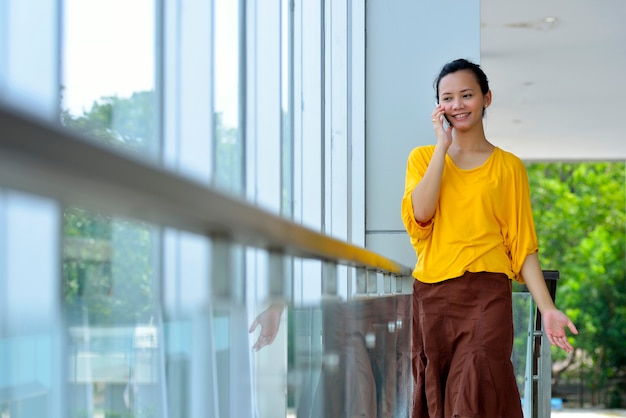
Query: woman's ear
point(487, 100)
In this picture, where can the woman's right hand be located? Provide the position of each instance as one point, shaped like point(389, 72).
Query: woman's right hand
point(444, 136)
point(269, 321)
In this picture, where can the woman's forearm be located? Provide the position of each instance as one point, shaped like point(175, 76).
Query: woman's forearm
point(554, 321)
point(425, 196)
point(535, 282)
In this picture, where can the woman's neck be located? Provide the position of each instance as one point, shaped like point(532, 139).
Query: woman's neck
point(470, 150)
point(473, 140)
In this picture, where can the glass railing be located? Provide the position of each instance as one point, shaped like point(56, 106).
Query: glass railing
point(187, 336)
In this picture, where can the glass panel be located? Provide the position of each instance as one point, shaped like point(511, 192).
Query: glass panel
point(30, 335)
point(522, 314)
point(286, 49)
point(114, 332)
point(304, 359)
point(187, 76)
point(336, 140)
point(29, 60)
point(350, 358)
point(207, 347)
point(308, 133)
point(264, 146)
point(108, 72)
point(353, 358)
point(229, 143)
point(268, 330)
point(189, 346)
point(108, 86)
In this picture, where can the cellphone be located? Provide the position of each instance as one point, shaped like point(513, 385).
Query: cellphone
point(446, 122)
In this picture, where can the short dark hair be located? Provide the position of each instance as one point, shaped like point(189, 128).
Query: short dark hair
point(459, 65)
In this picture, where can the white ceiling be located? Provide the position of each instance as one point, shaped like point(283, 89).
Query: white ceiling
point(557, 70)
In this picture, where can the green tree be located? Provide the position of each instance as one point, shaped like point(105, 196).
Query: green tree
point(580, 216)
point(124, 123)
point(107, 261)
point(229, 157)
point(107, 264)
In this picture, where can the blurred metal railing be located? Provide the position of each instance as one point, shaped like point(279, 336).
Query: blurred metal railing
point(48, 160)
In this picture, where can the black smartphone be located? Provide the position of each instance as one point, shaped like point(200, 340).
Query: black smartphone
point(446, 123)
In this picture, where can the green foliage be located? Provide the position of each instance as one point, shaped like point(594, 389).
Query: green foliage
point(126, 123)
point(229, 158)
point(107, 262)
point(580, 216)
point(521, 316)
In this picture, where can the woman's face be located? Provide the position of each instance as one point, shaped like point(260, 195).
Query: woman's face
point(462, 99)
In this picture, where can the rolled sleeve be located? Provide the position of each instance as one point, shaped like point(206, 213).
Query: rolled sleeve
point(416, 230)
point(416, 167)
point(522, 235)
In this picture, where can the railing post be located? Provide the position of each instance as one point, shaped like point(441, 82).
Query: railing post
point(387, 283)
point(280, 276)
point(224, 284)
point(542, 358)
point(371, 281)
point(396, 283)
point(329, 279)
point(361, 281)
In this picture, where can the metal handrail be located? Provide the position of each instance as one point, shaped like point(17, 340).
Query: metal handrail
point(46, 159)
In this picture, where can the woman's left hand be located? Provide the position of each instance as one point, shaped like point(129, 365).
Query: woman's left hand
point(554, 323)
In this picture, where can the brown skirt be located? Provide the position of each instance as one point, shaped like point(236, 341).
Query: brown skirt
point(462, 343)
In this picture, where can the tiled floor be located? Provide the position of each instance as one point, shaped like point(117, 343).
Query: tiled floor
point(573, 413)
point(589, 413)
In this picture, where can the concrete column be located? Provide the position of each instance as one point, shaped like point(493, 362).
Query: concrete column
point(407, 43)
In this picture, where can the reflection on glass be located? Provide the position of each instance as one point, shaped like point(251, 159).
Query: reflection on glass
point(521, 318)
point(107, 267)
point(113, 338)
point(108, 72)
point(228, 141)
point(351, 358)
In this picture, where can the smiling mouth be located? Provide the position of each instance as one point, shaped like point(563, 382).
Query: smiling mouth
point(460, 116)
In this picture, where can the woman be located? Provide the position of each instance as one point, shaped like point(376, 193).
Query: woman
point(467, 210)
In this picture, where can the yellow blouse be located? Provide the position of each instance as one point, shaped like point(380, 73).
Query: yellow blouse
point(483, 220)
